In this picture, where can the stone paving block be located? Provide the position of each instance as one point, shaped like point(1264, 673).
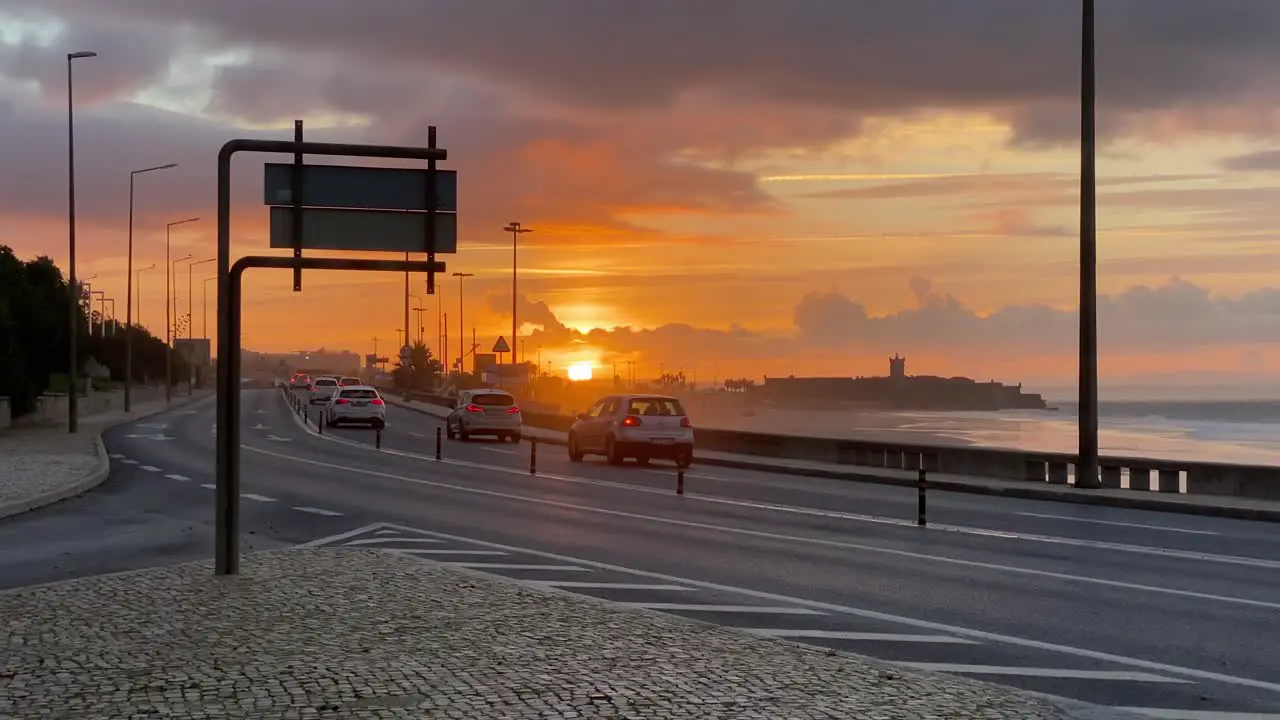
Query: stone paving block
point(368, 634)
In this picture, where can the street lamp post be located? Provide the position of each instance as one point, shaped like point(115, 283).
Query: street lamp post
point(102, 310)
point(418, 314)
point(516, 230)
point(204, 324)
point(168, 319)
point(462, 329)
point(112, 301)
point(128, 303)
point(138, 284)
point(73, 290)
point(191, 321)
point(1087, 461)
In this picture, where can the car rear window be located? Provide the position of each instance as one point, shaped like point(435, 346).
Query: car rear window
point(350, 381)
point(326, 381)
point(360, 394)
point(493, 400)
point(666, 407)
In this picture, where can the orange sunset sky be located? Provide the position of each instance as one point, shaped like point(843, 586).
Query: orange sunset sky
point(728, 188)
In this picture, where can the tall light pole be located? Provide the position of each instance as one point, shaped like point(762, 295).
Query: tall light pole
point(128, 302)
point(73, 290)
point(406, 303)
point(191, 322)
point(168, 319)
point(113, 318)
point(516, 230)
point(1087, 462)
point(462, 328)
point(204, 324)
point(138, 283)
point(102, 309)
point(418, 314)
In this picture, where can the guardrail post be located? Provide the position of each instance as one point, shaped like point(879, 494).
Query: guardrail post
point(533, 456)
point(921, 483)
point(679, 481)
point(438, 457)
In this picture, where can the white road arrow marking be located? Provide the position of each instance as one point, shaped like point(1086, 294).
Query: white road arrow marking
point(157, 436)
point(259, 426)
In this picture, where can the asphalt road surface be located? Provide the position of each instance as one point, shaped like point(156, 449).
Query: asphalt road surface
point(1176, 615)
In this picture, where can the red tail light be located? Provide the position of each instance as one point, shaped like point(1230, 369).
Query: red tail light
point(341, 401)
point(630, 421)
point(376, 401)
point(474, 408)
point(684, 423)
point(513, 409)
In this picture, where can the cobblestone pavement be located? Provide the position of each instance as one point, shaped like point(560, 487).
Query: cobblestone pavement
point(40, 461)
point(370, 634)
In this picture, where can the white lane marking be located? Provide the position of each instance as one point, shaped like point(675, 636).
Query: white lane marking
point(694, 497)
point(387, 532)
point(504, 451)
point(257, 498)
point(332, 539)
point(149, 468)
point(790, 538)
point(1171, 714)
point(1142, 526)
point(433, 551)
point(1064, 673)
point(868, 614)
point(510, 566)
point(381, 540)
point(609, 586)
point(127, 461)
point(697, 607)
point(861, 636)
point(318, 511)
point(116, 456)
point(179, 478)
point(417, 435)
point(210, 486)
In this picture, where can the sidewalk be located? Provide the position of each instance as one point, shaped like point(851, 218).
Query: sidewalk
point(43, 465)
point(1213, 506)
point(370, 634)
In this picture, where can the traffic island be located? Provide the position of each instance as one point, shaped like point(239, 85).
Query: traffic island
point(372, 634)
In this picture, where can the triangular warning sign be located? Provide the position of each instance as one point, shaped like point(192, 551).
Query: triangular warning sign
point(501, 346)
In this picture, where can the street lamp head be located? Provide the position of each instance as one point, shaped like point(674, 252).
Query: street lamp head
point(81, 54)
point(183, 259)
point(463, 275)
point(150, 169)
point(152, 266)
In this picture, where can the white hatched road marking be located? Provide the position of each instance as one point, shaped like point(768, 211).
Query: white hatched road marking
point(610, 586)
point(210, 486)
point(1171, 714)
point(868, 614)
point(179, 478)
point(149, 468)
point(777, 536)
point(1061, 673)
point(388, 532)
point(116, 456)
point(1117, 524)
point(318, 511)
point(692, 607)
point(513, 566)
point(127, 461)
point(862, 636)
point(435, 551)
point(257, 498)
point(383, 540)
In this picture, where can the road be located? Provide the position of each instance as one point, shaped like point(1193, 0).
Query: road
point(1175, 615)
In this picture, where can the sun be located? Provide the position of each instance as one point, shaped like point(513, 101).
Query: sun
point(580, 371)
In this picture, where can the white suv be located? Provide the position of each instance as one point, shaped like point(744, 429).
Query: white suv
point(322, 389)
point(485, 412)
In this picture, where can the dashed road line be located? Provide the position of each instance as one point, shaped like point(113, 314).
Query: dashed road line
point(517, 566)
point(787, 633)
point(128, 461)
point(1056, 673)
point(149, 468)
point(698, 607)
point(1143, 526)
point(436, 551)
point(564, 584)
point(179, 478)
point(257, 498)
point(385, 540)
point(209, 486)
point(116, 456)
point(318, 511)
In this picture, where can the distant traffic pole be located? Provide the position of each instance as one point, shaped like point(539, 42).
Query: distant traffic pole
point(168, 319)
point(1087, 462)
point(516, 230)
point(128, 303)
point(73, 291)
point(462, 329)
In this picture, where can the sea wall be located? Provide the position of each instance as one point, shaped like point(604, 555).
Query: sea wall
point(1136, 473)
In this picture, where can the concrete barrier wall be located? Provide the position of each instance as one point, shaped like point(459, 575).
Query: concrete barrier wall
point(1145, 474)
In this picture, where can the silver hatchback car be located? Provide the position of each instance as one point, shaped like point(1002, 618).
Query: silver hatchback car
point(637, 426)
point(485, 412)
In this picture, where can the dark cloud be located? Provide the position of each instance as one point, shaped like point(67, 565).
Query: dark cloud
point(860, 56)
point(1264, 161)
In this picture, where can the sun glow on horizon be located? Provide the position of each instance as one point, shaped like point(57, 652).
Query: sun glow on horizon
point(580, 371)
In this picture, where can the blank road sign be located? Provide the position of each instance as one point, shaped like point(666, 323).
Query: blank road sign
point(364, 188)
point(357, 230)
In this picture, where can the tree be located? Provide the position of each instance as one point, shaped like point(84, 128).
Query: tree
point(422, 373)
point(34, 338)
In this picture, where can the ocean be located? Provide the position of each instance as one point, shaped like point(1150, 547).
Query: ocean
point(1212, 431)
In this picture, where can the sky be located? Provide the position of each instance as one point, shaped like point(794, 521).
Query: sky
point(728, 188)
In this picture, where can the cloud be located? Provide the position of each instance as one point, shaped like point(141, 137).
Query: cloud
point(1263, 161)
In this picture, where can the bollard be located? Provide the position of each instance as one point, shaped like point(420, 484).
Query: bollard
point(533, 456)
point(437, 442)
point(320, 423)
point(377, 438)
point(679, 481)
point(920, 487)
point(306, 416)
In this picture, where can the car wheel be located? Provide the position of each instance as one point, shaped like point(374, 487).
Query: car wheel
point(642, 460)
point(463, 435)
point(575, 453)
point(611, 452)
point(516, 438)
point(448, 431)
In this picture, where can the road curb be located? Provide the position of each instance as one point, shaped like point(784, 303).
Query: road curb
point(101, 470)
point(1078, 497)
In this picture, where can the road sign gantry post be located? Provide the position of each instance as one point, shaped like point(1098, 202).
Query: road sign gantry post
point(319, 207)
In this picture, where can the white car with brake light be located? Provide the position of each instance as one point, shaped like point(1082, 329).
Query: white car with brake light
point(357, 404)
point(636, 426)
point(322, 389)
point(485, 412)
